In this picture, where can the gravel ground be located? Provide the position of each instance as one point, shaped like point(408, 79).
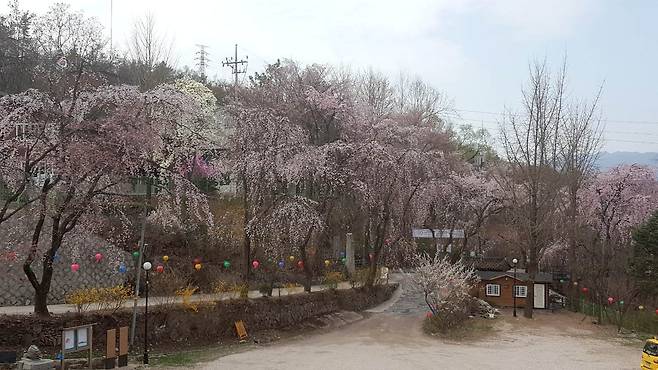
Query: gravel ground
point(393, 339)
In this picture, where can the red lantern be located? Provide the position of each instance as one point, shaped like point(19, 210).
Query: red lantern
point(75, 267)
point(159, 269)
point(197, 261)
point(255, 264)
point(371, 256)
point(611, 300)
point(429, 314)
point(585, 290)
point(98, 257)
point(656, 311)
point(300, 264)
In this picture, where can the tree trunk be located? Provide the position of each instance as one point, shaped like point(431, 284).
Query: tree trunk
point(246, 240)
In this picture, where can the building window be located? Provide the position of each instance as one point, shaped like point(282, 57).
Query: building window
point(493, 290)
point(520, 291)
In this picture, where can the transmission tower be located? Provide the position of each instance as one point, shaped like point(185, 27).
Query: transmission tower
point(202, 60)
point(237, 66)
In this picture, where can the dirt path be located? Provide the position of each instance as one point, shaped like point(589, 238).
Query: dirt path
point(393, 339)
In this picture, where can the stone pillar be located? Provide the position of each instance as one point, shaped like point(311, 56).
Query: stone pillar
point(349, 254)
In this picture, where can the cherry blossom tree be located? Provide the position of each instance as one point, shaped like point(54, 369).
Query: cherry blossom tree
point(87, 151)
point(445, 285)
point(615, 203)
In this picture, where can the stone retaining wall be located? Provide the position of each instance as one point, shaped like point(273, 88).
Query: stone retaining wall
point(175, 325)
point(16, 290)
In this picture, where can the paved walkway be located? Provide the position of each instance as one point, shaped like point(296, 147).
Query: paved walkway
point(155, 301)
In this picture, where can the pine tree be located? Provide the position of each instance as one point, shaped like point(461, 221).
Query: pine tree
point(644, 264)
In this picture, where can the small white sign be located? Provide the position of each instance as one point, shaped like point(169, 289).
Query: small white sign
point(82, 338)
point(384, 273)
point(69, 339)
point(438, 233)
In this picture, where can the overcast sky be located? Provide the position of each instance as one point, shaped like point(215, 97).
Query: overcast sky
point(477, 52)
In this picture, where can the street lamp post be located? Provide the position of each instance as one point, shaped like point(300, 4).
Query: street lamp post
point(514, 262)
point(147, 267)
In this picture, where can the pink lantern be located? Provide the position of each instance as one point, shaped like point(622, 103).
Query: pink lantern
point(428, 315)
point(255, 264)
point(75, 267)
point(585, 290)
point(371, 256)
point(611, 300)
point(300, 264)
point(159, 269)
point(98, 257)
point(656, 311)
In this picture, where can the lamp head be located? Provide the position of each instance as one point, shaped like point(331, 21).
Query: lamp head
point(147, 266)
point(515, 261)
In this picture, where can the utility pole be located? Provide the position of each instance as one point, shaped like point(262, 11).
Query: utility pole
point(202, 60)
point(235, 64)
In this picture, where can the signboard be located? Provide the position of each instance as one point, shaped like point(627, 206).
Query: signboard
point(69, 340)
point(438, 233)
point(384, 273)
point(76, 339)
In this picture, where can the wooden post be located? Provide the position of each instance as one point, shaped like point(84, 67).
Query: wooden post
point(349, 255)
point(111, 357)
point(123, 346)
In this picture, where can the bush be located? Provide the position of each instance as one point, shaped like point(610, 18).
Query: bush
point(222, 286)
point(186, 294)
point(291, 287)
point(444, 321)
point(107, 299)
point(266, 289)
point(241, 290)
point(332, 278)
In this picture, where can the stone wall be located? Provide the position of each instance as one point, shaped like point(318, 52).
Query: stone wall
point(16, 290)
point(213, 323)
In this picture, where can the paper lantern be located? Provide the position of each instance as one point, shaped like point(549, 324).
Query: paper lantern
point(327, 263)
point(281, 264)
point(611, 300)
point(197, 261)
point(136, 254)
point(387, 241)
point(165, 258)
point(371, 256)
point(640, 308)
point(98, 257)
point(75, 267)
point(227, 264)
point(197, 266)
point(561, 281)
point(122, 268)
point(255, 264)
point(585, 290)
point(56, 257)
point(428, 315)
point(343, 260)
point(656, 311)
point(159, 268)
point(300, 264)
point(291, 258)
point(621, 303)
point(575, 283)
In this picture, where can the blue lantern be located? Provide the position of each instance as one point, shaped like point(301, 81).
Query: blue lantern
point(342, 254)
point(281, 264)
point(122, 268)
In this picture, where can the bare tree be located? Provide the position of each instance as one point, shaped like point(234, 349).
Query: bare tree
point(149, 49)
point(580, 151)
point(531, 180)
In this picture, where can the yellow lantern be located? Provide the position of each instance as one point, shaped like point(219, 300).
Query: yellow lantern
point(327, 263)
point(291, 258)
point(197, 266)
point(165, 258)
point(641, 308)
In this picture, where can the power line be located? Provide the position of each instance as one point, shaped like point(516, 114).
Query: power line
point(603, 120)
point(235, 65)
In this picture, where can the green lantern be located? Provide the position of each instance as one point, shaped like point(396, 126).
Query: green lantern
point(343, 260)
point(561, 281)
point(136, 254)
point(621, 303)
point(227, 264)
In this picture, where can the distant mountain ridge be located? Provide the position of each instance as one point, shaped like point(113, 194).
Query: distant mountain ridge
point(608, 160)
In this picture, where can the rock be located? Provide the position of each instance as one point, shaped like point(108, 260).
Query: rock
point(32, 353)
